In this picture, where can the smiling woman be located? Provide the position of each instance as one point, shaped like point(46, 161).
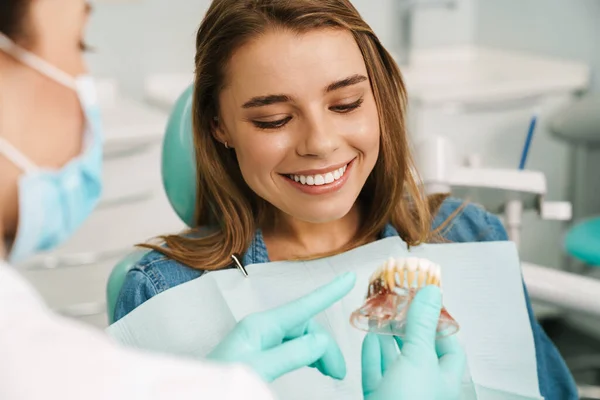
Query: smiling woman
point(300, 134)
point(302, 152)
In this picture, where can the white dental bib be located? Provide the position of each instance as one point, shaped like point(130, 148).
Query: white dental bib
point(482, 286)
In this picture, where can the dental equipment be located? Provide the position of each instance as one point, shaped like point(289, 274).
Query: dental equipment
point(503, 191)
point(579, 127)
point(556, 287)
point(528, 139)
point(509, 191)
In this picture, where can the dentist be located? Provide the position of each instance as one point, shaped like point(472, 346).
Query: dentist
point(50, 181)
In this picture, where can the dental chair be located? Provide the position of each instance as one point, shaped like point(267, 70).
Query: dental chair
point(579, 126)
point(583, 242)
point(510, 191)
point(179, 180)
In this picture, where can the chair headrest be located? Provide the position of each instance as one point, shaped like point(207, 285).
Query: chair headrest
point(179, 160)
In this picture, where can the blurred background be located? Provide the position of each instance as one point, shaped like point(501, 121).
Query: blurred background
point(481, 75)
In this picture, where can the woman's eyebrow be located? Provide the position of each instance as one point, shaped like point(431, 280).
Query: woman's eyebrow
point(266, 100)
point(342, 83)
point(261, 101)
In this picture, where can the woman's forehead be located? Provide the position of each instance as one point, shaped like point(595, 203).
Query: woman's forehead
point(285, 61)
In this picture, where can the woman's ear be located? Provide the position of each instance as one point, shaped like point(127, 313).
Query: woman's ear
point(218, 132)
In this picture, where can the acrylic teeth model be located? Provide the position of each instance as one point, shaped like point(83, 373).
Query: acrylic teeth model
point(391, 290)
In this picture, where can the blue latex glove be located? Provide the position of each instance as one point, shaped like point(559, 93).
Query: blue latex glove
point(424, 368)
point(283, 339)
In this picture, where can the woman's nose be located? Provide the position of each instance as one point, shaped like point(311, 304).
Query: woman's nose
point(319, 139)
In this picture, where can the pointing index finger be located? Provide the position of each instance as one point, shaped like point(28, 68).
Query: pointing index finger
point(300, 311)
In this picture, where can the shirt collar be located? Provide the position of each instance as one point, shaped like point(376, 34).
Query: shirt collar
point(257, 252)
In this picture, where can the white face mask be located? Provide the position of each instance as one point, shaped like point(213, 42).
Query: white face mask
point(54, 203)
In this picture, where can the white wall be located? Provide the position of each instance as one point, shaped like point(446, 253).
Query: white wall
point(133, 39)
point(138, 38)
point(558, 28)
point(432, 26)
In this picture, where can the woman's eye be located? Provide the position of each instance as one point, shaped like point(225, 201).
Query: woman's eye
point(345, 108)
point(271, 124)
point(342, 109)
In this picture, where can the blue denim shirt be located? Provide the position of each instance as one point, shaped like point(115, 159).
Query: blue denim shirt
point(156, 273)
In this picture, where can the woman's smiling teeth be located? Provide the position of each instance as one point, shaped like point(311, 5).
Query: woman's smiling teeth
point(319, 179)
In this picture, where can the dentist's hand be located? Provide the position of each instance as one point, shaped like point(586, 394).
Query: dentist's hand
point(283, 339)
point(425, 368)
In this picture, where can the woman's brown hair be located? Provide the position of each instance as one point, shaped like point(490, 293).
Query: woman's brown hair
point(13, 15)
point(392, 192)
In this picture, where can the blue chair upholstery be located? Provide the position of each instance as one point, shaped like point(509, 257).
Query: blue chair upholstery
point(178, 172)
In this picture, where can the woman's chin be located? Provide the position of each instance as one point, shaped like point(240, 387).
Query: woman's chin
point(322, 215)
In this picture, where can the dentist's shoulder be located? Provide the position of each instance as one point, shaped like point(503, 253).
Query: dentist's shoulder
point(48, 356)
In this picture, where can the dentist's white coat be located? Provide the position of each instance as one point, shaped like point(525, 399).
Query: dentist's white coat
point(44, 356)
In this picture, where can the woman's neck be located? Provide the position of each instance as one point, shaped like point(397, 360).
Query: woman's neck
point(292, 238)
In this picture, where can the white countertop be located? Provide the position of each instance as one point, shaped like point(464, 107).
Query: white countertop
point(479, 75)
point(449, 75)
